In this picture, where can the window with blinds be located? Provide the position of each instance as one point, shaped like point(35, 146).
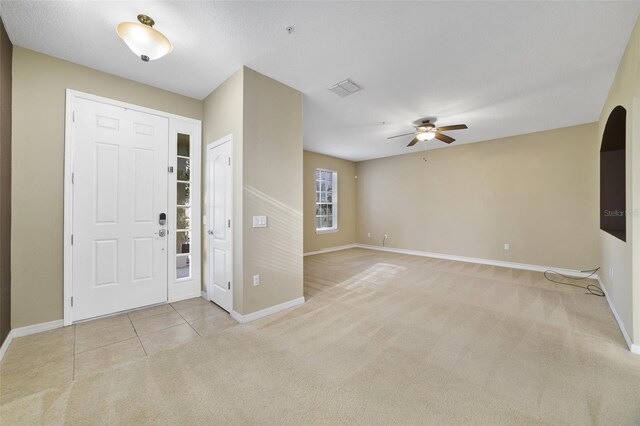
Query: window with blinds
point(326, 200)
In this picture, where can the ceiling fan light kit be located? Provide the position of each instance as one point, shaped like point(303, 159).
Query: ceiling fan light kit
point(426, 131)
point(425, 136)
point(143, 40)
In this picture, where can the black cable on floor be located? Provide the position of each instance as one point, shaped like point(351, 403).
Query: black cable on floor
point(592, 289)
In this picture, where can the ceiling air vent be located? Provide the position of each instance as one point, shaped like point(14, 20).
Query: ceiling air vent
point(345, 88)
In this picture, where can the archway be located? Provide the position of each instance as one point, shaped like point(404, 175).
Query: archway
point(613, 204)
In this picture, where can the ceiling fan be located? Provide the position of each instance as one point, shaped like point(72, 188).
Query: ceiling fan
point(426, 130)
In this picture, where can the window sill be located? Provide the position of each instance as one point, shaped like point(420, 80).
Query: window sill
point(326, 231)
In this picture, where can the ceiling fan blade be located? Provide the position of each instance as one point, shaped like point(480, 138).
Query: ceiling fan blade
point(397, 136)
point(413, 142)
point(444, 138)
point(453, 127)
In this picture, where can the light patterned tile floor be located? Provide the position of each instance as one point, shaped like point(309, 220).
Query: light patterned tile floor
point(37, 361)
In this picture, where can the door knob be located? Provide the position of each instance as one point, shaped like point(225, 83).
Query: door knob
point(210, 232)
point(161, 232)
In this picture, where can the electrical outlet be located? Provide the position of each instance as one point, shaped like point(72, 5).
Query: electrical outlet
point(507, 246)
point(256, 280)
point(369, 234)
point(611, 272)
point(386, 236)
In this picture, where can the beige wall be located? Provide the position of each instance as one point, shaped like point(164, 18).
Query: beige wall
point(223, 112)
point(536, 192)
point(272, 186)
point(624, 257)
point(5, 183)
point(346, 202)
point(265, 119)
point(39, 84)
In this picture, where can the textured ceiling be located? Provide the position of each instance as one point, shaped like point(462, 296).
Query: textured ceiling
point(503, 68)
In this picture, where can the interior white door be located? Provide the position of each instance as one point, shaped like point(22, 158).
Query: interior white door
point(219, 213)
point(119, 248)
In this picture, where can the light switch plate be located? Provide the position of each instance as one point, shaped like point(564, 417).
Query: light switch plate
point(259, 221)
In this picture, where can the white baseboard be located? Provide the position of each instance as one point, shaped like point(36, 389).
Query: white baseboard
point(36, 328)
point(501, 263)
point(330, 249)
point(632, 347)
point(25, 331)
point(5, 344)
point(243, 319)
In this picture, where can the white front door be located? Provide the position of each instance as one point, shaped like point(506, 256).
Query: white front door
point(219, 213)
point(119, 186)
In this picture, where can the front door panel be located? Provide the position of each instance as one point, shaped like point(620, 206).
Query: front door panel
point(119, 191)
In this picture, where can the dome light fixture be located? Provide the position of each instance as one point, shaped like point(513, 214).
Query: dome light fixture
point(143, 39)
point(425, 136)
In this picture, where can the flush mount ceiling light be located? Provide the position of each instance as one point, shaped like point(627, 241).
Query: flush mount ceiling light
point(143, 40)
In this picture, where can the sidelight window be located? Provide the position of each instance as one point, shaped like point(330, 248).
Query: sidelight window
point(183, 208)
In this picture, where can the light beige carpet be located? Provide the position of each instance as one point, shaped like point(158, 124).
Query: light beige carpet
point(382, 339)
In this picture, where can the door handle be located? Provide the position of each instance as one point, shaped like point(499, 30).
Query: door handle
point(161, 233)
point(210, 232)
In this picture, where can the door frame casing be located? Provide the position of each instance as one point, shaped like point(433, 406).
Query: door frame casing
point(226, 139)
point(174, 123)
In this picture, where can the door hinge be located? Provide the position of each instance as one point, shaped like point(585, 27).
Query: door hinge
point(228, 285)
point(73, 176)
point(170, 169)
point(71, 239)
point(71, 300)
point(229, 158)
point(229, 223)
point(73, 116)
